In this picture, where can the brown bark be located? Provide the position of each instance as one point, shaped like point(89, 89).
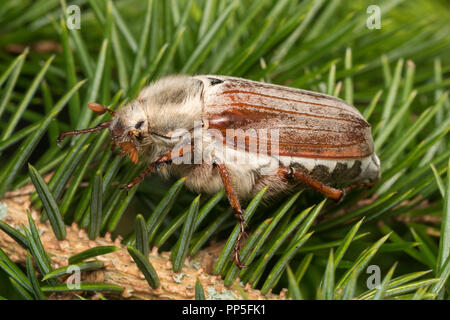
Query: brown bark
point(119, 268)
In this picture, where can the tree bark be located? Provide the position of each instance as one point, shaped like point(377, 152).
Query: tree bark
point(119, 268)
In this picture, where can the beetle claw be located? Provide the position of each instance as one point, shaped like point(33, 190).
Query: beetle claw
point(126, 187)
point(341, 198)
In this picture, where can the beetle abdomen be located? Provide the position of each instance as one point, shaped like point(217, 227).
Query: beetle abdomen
point(339, 171)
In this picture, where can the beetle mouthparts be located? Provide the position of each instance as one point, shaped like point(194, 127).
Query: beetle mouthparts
point(130, 148)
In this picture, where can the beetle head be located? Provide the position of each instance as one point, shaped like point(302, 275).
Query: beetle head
point(129, 133)
point(127, 129)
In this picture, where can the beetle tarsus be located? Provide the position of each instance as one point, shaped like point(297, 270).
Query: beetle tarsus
point(341, 198)
point(126, 187)
point(237, 247)
point(141, 177)
point(346, 189)
point(353, 186)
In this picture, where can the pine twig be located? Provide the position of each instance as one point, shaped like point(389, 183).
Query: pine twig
point(119, 268)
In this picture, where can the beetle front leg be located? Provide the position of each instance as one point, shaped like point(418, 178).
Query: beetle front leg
point(238, 212)
point(165, 159)
point(141, 177)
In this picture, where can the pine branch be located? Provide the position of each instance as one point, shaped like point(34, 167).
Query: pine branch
point(119, 268)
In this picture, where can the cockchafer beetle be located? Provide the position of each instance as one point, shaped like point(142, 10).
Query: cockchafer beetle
point(243, 135)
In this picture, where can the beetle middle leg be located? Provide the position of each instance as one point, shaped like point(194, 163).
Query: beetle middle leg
point(238, 212)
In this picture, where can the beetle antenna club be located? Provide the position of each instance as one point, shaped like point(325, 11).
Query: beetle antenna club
point(99, 109)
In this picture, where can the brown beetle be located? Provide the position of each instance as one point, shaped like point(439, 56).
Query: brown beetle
point(244, 135)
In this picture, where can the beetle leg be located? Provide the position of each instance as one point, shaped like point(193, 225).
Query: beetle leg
point(355, 186)
point(330, 192)
point(165, 159)
point(238, 213)
point(359, 185)
point(140, 177)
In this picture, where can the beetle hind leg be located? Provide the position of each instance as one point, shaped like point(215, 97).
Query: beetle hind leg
point(333, 193)
point(297, 176)
point(369, 184)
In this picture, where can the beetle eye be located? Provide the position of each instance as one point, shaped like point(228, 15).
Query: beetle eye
point(139, 124)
